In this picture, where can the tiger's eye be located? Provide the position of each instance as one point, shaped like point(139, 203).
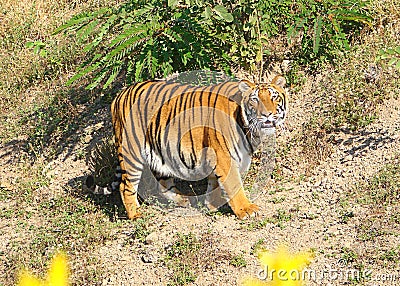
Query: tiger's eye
point(254, 100)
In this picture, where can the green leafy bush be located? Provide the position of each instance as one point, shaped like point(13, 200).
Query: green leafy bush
point(327, 26)
point(146, 39)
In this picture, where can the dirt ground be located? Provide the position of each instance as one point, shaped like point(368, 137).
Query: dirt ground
point(314, 205)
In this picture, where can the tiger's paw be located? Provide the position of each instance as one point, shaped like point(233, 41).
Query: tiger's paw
point(177, 199)
point(133, 214)
point(251, 210)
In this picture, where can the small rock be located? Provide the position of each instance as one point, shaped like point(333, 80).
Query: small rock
point(151, 238)
point(348, 158)
point(87, 139)
point(147, 258)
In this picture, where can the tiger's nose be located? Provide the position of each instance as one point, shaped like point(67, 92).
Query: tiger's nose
point(269, 119)
point(272, 117)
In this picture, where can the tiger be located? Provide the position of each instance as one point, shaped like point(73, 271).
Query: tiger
point(194, 132)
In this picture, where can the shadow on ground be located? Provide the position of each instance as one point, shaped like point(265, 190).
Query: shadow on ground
point(60, 125)
point(366, 140)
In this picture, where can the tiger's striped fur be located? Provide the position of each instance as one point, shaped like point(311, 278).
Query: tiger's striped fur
point(194, 132)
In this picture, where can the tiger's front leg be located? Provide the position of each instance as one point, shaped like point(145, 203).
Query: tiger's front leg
point(229, 179)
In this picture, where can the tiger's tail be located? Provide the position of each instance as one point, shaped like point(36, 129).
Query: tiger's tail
point(108, 190)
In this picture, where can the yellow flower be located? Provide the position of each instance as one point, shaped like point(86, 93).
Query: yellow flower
point(280, 268)
point(57, 276)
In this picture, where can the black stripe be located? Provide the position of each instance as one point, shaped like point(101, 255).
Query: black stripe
point(193, 104)
point(178, 102)
point(201, 97)
point(180, 153)
point(131, 94)
point(185, 104)
point(169, 92)
point(229, 90)
point(122, 104)
point(209, 95)
point(162, 125)
point(149, 136)
point(137, 165)
point(235, 148)
point(168, 148)
point(147, 93)
point(219, 89)
point(137, 159)
point(227, 145)
point(151, 95)
point(155, 130)
point(193, 160)
point(133, 133)
point(128, 150)
point(242, 132)
point(193, 151)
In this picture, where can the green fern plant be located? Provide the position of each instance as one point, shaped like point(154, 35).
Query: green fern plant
point(249, 37)
point(141, 40)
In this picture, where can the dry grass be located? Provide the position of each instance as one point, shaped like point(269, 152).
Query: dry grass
point(189, 256)
point(378, 228)
point(40, 117)
point(348, 95)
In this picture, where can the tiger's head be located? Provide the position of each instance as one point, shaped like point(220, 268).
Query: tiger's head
point(264, 106)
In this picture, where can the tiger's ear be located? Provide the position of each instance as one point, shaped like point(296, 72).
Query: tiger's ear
point(245, 85)
point(279, 81)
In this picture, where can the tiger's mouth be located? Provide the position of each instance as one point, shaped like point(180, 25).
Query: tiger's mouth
point(268, 124)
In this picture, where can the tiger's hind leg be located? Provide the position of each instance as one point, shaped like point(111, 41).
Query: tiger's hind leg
point(129, 189)
point(215, 197)
point(172, 193)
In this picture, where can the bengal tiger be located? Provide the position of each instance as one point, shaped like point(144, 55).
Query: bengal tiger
point(190, 132)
